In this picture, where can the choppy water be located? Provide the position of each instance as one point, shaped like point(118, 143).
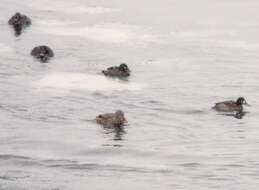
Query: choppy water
point(184, 55)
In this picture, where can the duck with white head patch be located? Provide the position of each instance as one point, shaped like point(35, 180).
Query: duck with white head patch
point(231, 106)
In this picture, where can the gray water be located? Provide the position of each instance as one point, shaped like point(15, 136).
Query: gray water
point(185, 55)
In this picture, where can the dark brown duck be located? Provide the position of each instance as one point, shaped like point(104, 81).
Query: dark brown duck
point(116, 119)
point(43, 53)
point(117, 71)
point(19, 21)
point(230, 106)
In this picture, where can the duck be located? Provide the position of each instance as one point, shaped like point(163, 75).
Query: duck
point(116, 119)
point(19, 21)
point(43, 53)
point(231, 106)
point(117, 71)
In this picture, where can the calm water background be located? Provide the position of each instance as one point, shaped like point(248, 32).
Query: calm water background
point(185, 55)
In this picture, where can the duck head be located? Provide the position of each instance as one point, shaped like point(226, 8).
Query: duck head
point(120, 117)
point(124, 68)
point(17, 17)
point(43, 54)
point(17, 24)
point(241, 101)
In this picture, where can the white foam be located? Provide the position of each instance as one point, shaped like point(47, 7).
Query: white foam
point(89, 10)
point(202, 33)
point(70, 7)
point(107, 33)
point(78, 81)
point(5, 49)
point(55, 23)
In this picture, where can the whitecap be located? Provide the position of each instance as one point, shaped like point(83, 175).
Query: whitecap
point(89, 10)
point(79, 81)
point(5, 49)
point(202, 33)
point(70, 7)
point(107, 33)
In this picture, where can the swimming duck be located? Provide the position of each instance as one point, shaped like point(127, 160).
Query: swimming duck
point(116, 119)
point(43, 53)
point(230, 106)
point(117, 71)
point(19, 21)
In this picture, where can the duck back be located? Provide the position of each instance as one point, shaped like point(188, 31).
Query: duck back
point(115, 72)
point(227, 106)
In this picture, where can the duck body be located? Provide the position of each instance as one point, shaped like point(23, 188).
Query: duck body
point(117, 71)
point(116, 119)
point(43, 53)
point(230, 106)
point(19, 21)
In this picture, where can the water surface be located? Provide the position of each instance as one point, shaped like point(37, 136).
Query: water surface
point(184, 56)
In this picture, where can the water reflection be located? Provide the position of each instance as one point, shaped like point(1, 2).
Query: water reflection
point(237, 115)
point(118, 132)
point(17, 32)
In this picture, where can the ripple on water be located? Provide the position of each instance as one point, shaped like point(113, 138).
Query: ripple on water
point(24, 161)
